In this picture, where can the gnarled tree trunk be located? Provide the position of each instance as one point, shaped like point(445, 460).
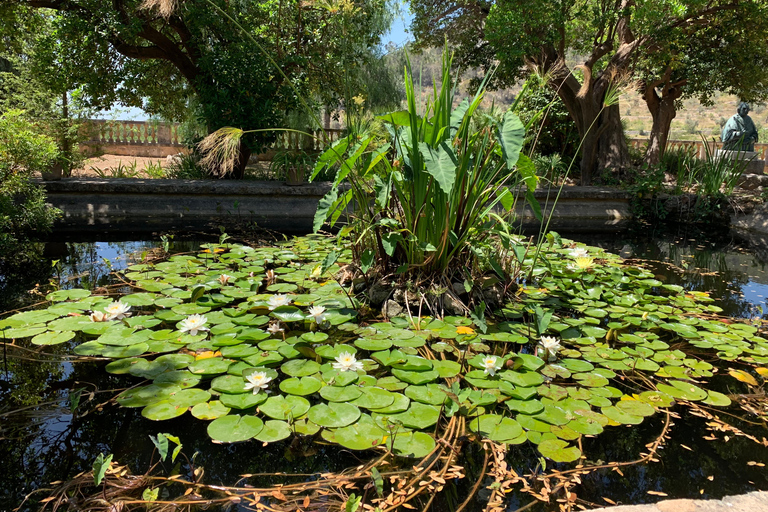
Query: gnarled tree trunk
point(660, 97)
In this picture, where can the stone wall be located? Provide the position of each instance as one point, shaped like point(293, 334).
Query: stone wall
point(93, 204)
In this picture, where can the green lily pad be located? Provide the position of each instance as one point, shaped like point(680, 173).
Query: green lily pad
point(210, 366)
point(234, 428)
point(300, 368)
point(428, 394)
point(416, 378)
point(682, 390)
point(373, 344)
point(273, 431)
point(522, 378)
point(232, 384)
point(620, 416)
point(340, 393)
point(163, 410)
point(400, 404)
point(210, 410)
point(411, 444)
point(559, 450)
point(301, 386)
point(418, 416)
point(362, 435)
point(374, 398)
point(525, 406)
point(242, 400)
point(285, 408)
point(53, 338)
point(635, 407)
point(717, 399)
point(333, 415)
point(129, 351)
point(181, 378)
point(496, 428)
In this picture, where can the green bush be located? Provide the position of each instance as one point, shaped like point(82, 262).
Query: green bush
point(23, 151)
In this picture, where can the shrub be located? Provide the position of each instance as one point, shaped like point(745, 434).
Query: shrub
point(23, 152)
point(434, 195)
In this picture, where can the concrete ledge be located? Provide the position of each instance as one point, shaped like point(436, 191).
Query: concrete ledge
point(158, 205)
point(751, 502)
point(99, 204)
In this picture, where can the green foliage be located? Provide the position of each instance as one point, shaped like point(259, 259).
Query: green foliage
point(538, 377)
point(552, 130)
point(187, 167)
point(292, 165)
point(718, 172)
point(435, 183)
point(23, 151)
point(119, 171)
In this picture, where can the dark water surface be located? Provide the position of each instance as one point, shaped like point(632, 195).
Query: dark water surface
point(42, 441)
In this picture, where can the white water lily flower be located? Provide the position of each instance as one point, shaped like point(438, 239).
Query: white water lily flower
point(276, 301)
point(275, 328)
point(98, 316)
point(491, 364)
point(346, 362)
point(549, 345)
point(317, 313)
point(117, 311)
point(257, 381)
point(224, 279)
point(193, 323)
point(579, 252)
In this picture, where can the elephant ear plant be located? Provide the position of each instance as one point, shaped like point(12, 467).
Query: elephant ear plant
point(433, 196)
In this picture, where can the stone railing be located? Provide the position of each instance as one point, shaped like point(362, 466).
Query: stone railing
point(698, 146)
point(157, 140)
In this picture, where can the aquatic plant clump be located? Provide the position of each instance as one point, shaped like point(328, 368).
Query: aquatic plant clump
point(584, 349)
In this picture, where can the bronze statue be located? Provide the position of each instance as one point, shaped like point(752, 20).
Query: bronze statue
point(739, 133)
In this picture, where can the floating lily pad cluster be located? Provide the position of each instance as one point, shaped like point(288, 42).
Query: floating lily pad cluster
point(277, 350)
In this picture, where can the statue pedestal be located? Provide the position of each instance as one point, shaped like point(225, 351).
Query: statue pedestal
point(754, 166)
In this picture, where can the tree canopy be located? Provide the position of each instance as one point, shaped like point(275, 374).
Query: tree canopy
point(611, 39)
point(129, 52)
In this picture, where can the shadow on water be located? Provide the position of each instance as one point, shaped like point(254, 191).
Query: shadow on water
point(42, 441)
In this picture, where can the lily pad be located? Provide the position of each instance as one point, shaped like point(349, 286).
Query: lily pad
point(285, 408)
point(234, 428)
point(334, 415)
point(210, 410)
point(415, 445)
point(559, 450)
point(362, 435)
point(496, 428)
point(682, 390)
point(273, 431)
point(301, 386)
point(163, 410)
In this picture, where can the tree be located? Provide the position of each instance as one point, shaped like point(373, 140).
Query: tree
point(728, 55)
point(610, 37)
point(141, 54)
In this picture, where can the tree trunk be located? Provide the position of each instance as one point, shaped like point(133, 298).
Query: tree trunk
point(662, 107)
point(603, 145)
point(245, 153)
point(613, 152)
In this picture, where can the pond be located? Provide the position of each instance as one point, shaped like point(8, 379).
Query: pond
point(58, 416)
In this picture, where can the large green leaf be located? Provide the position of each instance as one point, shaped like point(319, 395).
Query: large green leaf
point(511, 134)
point(440, 163)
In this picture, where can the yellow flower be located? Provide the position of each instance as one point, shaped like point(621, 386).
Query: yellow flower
point(464, 330)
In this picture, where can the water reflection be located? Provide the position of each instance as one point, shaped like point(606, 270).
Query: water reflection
point(733, 272)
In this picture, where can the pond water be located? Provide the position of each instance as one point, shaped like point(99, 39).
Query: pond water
point(43, 441)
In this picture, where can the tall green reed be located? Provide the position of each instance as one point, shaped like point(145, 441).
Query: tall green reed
point(436, 192)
